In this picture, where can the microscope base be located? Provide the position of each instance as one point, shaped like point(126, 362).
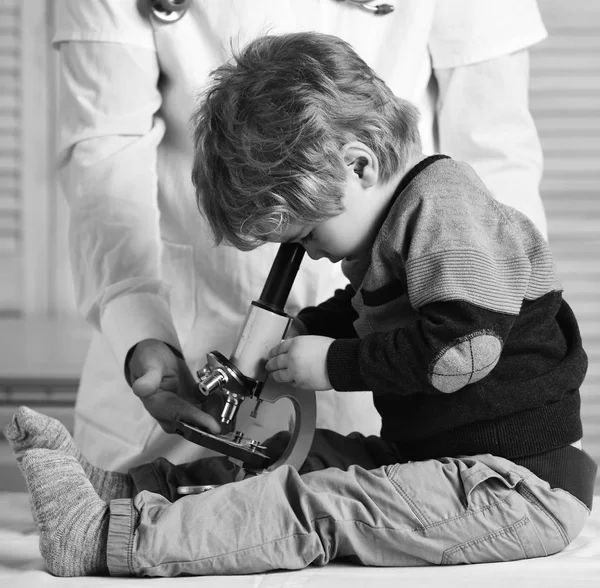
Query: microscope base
point(251, 458)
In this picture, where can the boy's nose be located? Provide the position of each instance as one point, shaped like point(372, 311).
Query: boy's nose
point(313, 252)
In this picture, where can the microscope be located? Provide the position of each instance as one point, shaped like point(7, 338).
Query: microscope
point(243, 377)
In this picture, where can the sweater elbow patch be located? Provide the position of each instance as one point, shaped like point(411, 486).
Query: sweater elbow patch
point(465, 361)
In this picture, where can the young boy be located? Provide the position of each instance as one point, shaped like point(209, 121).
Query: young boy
point(453, 317)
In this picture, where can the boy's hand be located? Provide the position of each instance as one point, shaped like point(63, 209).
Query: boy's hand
point(301, 361)
point(166, 387)
point(296, 328)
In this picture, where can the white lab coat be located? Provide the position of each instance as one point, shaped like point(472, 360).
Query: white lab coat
point(143, 261)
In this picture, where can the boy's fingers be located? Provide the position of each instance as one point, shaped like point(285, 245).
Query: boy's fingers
point(276, 376)
point(278, 362)
point(282, 376)
point(280, 348)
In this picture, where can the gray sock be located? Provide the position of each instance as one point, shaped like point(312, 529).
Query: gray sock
point(33, 430)
point(71, 517)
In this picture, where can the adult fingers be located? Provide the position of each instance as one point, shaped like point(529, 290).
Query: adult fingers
point(194, 415)
point(148, 383)
point(168, 408)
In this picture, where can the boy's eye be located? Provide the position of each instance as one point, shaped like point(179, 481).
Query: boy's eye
point(306, 238)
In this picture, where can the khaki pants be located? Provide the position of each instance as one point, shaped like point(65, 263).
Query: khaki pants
point(366, 509)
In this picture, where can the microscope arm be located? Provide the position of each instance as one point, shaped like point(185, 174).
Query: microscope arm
point(305, 410)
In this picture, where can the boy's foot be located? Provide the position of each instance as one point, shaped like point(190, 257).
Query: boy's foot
point(71, 517)
point(32, 430)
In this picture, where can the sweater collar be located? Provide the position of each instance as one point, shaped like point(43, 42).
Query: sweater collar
point(414, 172)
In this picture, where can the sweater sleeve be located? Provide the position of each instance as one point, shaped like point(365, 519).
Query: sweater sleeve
point(332, 318)
point(469, 265)
point(110, 129)
point(453, 344)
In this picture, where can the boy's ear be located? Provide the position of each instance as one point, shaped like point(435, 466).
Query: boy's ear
point(362, 161)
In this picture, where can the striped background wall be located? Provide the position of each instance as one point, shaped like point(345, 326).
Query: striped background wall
point(565, 101)
point(10, 143)
point(28, 197)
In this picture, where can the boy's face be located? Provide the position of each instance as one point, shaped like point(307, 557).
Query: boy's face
point(365, 201)
point(326, 239)
point(345, 235)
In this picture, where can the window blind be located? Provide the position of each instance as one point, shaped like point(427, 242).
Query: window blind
point(565, 101)
point(10, 116)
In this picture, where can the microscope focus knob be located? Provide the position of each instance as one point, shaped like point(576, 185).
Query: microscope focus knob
point(213, 381)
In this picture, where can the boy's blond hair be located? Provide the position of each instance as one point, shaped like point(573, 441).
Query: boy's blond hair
point(269, 132)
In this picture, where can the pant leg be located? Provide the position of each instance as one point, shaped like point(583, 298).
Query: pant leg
point(329, 449)
point(162, 477)
point(333, 450)
point(447, 511)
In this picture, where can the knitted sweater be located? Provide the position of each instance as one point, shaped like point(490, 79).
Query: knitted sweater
point(455, 320)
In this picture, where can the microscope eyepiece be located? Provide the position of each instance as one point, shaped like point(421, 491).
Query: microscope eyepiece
point(282, 275)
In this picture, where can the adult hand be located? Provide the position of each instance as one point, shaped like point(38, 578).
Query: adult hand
point(166, 387)
point(301, 361)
